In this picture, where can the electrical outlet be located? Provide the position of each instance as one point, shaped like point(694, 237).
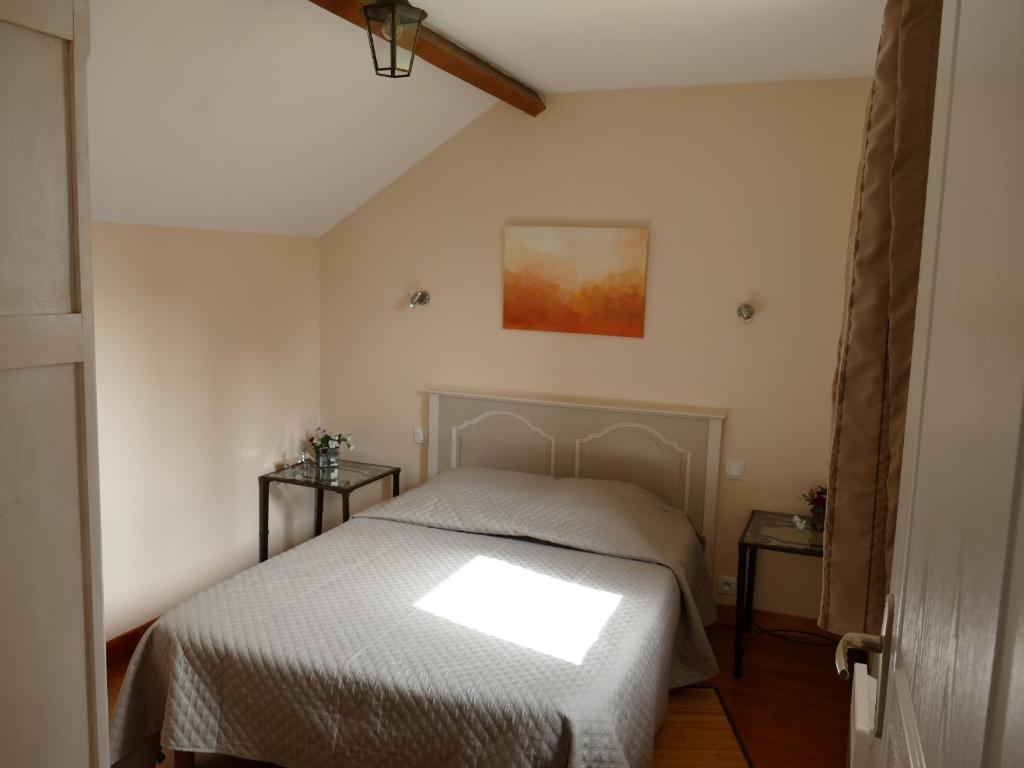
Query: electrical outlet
point(727, 585)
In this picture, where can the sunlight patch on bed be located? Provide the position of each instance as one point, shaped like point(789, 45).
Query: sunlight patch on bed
point(554, 617)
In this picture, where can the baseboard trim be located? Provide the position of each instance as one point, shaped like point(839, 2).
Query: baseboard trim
point(121, 648)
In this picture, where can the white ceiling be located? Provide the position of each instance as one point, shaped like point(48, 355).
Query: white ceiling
point(251, 115)
point(593, 45)
point(264, 115)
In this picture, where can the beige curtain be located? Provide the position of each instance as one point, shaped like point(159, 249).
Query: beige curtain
point(873, 366)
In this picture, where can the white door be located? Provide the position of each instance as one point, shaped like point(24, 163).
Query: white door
point(955, 688)
point(52, 678)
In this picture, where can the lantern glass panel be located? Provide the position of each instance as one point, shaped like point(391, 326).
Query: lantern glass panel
point(393, 29)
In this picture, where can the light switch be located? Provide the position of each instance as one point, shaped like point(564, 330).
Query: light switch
point(419, 435)
point(734, 469)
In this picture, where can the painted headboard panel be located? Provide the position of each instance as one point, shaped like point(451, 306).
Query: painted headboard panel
point(670, 450)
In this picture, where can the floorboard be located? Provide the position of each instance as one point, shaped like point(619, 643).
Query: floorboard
point(790, 707)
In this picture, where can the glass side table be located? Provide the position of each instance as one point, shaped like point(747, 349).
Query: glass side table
point(343, 479)
point(775, 531)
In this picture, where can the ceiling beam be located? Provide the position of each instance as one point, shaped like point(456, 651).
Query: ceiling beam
point(453, 59)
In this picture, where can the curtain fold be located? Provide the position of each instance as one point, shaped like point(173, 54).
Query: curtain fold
point(873, 364)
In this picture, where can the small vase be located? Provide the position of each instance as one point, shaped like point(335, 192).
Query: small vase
point(818, 518)
point(327, 457)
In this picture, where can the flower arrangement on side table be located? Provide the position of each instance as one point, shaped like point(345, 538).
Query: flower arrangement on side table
point(326, 446)
point(816, 497)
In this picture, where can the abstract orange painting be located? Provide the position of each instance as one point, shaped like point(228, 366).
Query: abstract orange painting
point(576, 279)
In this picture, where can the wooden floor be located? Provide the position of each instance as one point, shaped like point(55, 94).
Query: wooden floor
point(790, 708)
point(697, 733)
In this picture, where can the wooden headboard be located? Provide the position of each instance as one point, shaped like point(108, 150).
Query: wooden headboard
point(669, 450)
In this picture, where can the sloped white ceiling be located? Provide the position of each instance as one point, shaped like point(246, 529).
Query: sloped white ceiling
point(594, 45)
point(251, 115)
point(265, 116)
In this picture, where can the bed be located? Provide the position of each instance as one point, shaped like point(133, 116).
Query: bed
point(496, 615)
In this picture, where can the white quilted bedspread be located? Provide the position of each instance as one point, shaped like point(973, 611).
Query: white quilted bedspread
point(425, 633)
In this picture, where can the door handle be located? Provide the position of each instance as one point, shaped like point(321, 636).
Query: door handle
point(881, 644)
point(858, 640)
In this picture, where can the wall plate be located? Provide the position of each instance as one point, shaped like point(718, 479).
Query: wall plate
point(727, 585)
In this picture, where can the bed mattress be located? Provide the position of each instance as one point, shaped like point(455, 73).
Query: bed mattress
point(480, 620)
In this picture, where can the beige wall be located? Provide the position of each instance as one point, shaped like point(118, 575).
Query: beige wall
point(747, 191)
point(207, 374)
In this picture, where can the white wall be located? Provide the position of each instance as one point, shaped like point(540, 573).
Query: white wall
point(207, 348)
point(747, 190)
point(216, 351)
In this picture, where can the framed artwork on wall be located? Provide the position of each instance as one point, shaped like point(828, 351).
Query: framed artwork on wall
point(576, 279)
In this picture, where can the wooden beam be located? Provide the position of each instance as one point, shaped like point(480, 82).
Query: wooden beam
point(453, 59)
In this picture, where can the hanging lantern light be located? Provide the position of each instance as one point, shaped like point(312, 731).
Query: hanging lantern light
point(393, 27)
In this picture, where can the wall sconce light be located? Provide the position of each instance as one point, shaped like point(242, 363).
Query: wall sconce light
point(745, 312)
point(419, 299)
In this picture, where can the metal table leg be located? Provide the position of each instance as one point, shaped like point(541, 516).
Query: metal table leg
point(740, 620)
point(748, 598)
point(264, 518)
point(318, 513)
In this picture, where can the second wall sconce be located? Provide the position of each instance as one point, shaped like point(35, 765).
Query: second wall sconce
point(745, 312)
point(418, 299)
